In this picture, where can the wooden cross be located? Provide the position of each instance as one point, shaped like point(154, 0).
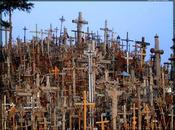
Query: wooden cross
point(157, 53)
point(36, 32)
point(98, 39)
point(61, 20)
point(79, 23)
point(106, 32)
point(102, 122)
point(143, 46)
point(49, 32)
point(85, 104)
point(127, 60)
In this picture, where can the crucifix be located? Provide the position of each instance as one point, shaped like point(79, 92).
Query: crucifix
point(36, 32)
point(143, 46)
point(25, 29)
point(85, 104)
point(102, 122)
point(79, 23)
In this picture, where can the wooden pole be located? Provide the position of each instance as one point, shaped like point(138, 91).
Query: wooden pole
point(134, 118)
point(84, 106)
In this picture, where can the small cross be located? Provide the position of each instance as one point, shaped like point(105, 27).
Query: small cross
point(102, 122)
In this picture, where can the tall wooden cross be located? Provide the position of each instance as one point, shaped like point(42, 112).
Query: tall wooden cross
point(79, 23)
point(85, 104)
point(102, 122)
point(157, 53)
point(90, 53)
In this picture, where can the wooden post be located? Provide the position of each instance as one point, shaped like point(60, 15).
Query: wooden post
point(134, 118)
point(172, 118)
point(79, 121)
point(139, 109)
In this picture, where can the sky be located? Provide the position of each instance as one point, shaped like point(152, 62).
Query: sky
point(138, 18)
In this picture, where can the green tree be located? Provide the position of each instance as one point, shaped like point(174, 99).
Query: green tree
point(8, 6)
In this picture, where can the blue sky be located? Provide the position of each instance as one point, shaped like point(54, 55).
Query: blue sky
point(137, 18)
